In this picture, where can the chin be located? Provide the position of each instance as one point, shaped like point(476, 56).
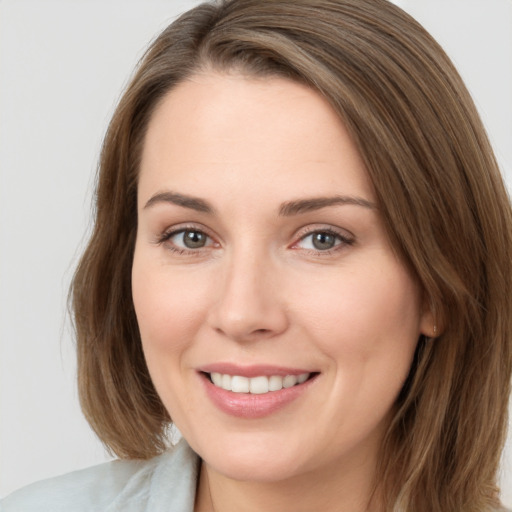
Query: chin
point(270, 470)
point(254, 460)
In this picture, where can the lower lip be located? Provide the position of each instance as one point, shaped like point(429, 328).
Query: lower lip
point(251, 406)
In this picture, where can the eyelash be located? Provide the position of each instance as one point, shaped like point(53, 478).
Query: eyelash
point(167, 235)
point(343, 240)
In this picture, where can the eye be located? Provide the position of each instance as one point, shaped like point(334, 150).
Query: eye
point(187, 239)
point(323, 240)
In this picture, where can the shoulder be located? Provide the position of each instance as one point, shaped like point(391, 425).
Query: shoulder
point(128, 486)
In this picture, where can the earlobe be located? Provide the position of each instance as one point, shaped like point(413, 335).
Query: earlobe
point(429, 324)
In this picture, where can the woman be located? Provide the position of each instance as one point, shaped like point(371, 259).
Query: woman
point(301, 256)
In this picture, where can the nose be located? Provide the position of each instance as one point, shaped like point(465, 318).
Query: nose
point(249, 305)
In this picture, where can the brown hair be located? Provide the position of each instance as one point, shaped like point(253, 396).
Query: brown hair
point(440, 194)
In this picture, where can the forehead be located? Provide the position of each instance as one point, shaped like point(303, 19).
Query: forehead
point(228, 130)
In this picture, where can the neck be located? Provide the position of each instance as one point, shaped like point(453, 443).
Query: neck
point(336, 489)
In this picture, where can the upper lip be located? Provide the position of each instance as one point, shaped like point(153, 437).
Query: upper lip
point(255, 370)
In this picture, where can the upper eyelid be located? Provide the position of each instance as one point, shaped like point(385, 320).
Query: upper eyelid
point(178, 228)
point(319, 228)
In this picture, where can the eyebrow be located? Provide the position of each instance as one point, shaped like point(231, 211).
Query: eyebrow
point(287, 209)
point(316, 203)
point(194, 203)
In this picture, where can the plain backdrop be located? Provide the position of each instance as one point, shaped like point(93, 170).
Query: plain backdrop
point(63, 65)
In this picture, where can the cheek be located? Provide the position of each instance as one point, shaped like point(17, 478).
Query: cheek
point(367, 324)
point(368, 315)
point(168, 305)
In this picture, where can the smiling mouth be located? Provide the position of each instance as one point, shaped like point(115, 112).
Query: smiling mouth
point(257, 385)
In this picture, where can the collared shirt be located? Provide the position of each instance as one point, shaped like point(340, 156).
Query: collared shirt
point(166, 483)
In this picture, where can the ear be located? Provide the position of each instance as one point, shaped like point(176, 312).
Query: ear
point(429, 324)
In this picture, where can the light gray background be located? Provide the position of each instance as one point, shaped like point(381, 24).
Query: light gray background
point(62, 67)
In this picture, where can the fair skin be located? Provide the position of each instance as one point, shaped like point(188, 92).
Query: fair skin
point(233, 272)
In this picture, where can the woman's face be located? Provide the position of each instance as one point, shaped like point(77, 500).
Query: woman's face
point(261, 260)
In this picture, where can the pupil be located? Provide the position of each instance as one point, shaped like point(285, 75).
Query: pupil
point(194, 239)
point(323, 241)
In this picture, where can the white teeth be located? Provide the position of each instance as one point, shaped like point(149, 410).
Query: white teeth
point(226, 382)
point(256, 385)
point(239, 384)
point(217, 379)
point(289, 381)
point(275, 383)
point(303, 377)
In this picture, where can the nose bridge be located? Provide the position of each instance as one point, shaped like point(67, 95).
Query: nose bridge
point(249, 303)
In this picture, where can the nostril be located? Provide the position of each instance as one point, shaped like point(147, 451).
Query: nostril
point(247, 321)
